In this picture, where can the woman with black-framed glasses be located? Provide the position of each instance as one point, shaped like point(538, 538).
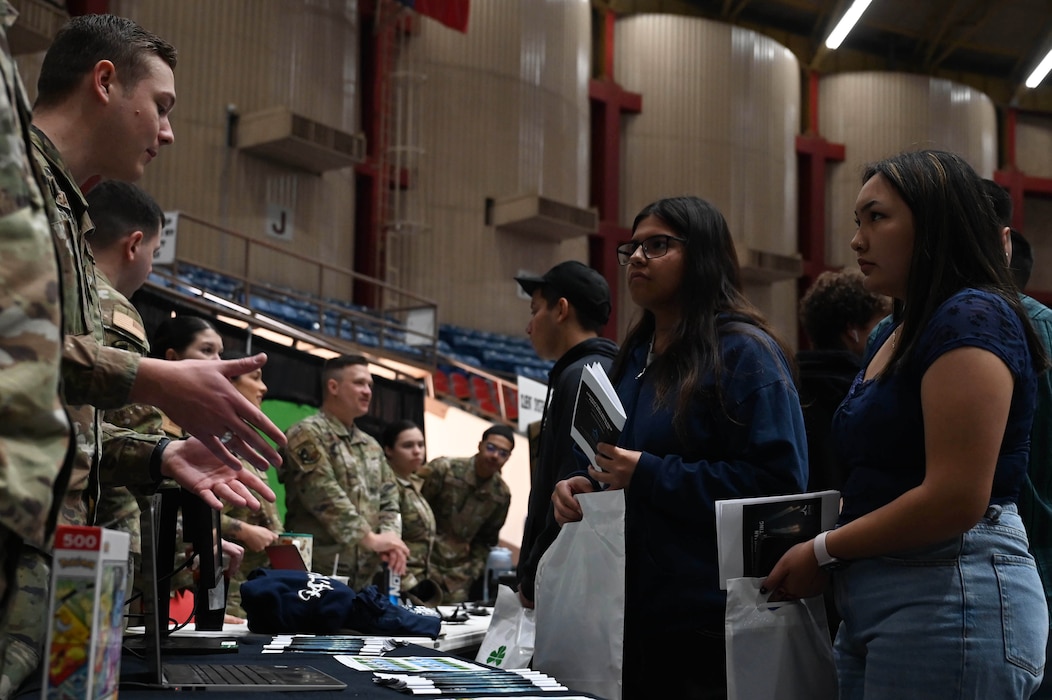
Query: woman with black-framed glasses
point(713, 413)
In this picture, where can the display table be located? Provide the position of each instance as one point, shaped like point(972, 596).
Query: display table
point(359, 683)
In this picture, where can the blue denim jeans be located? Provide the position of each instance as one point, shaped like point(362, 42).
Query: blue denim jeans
point(965, 618)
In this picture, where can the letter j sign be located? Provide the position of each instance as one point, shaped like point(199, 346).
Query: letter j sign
point(278, 223)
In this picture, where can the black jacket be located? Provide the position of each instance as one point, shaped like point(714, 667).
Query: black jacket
point(555, 456)
point(825, 377)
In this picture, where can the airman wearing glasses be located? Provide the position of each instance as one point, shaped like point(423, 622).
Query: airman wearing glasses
point(470, 501)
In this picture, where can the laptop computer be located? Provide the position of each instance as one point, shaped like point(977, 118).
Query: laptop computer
point(214, 677)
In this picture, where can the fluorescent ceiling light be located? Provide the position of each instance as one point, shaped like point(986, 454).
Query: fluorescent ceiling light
point(1040, 72)
point(846, 23)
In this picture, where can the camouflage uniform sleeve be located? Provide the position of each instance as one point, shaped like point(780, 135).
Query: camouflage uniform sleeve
point(125, 459)
point(390, 501)
point(34, 431)
point(140, 417)
point(433, 475)
point(317, 484)
point(96, 375)
point(489, 534)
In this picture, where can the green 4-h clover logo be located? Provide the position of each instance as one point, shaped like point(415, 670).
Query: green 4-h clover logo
point(496, 657)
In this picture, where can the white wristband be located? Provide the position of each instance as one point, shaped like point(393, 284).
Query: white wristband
point(821, 553)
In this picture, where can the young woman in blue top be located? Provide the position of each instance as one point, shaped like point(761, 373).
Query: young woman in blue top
point(939, 596)
point(712, 413)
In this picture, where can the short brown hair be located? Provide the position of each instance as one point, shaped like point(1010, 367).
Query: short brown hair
point(335, 365)
point(88, 39)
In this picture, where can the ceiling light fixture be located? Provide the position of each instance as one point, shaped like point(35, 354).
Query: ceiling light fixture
point(846, 23)
point(1040, 72)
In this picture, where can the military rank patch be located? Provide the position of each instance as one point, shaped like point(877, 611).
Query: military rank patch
point(126, 322)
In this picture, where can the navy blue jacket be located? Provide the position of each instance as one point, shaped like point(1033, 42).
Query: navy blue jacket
point(752, 445)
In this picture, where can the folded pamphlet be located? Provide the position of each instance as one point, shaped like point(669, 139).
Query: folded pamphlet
point(598, 415)
point(752, 534)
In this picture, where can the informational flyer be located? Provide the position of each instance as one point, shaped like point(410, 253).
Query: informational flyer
point(408, 664)
point(753, 533)
point(598, 415)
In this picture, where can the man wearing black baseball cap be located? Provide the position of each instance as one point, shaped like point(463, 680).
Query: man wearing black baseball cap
point(569, 306)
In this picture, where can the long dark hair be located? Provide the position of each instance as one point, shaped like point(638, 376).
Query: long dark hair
point(956, 244)
point(711, 285)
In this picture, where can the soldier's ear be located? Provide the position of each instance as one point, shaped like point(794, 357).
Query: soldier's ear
point(132, 243)
point(103, 77)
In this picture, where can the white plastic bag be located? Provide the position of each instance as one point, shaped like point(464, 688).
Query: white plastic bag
point(509, 639)
point(580, 592)
point(777, 651)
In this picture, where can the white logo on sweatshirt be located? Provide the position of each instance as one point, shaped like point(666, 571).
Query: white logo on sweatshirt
point(316, 585)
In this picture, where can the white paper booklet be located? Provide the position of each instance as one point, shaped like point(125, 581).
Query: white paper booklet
point(598, 415)
point(752, 534)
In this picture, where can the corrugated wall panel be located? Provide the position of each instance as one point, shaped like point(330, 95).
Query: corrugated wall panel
point(303, 54)
point(878, 114)
point(721, 109)
point(505, 113)
point(1034, 157)
point(1034, 145)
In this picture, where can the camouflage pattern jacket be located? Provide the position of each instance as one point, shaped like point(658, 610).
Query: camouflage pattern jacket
point(93, 375)
point(123, 328)
point(469, 514)
point(338, 487)
point(418, 529)
point(235, 516)
point(34, 430)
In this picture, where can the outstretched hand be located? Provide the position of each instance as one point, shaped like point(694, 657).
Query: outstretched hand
point(199, 396)
point(198, 470)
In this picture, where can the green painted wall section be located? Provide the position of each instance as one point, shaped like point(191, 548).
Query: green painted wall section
point(284, 414)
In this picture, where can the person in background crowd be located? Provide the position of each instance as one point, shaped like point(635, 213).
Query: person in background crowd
point(569, 305)
point(470, 501)
point(403, 444)
point(126, 236)
point(338, 486)
point(1035, 499)
point(712, 413)
point(252, 529)
point(837, 313)
point(939, 596)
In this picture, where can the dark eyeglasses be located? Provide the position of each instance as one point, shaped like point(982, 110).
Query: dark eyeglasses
point(653, 247)
point(499, 451)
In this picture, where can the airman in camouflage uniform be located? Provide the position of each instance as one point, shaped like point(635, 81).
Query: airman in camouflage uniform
point(117, 507)
point(418, 529)
point(127, 234)
point(83, 367)
point(34, 431)
point(338, 485)
point(233, 522)
point(253, 530)
point(470, 501)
